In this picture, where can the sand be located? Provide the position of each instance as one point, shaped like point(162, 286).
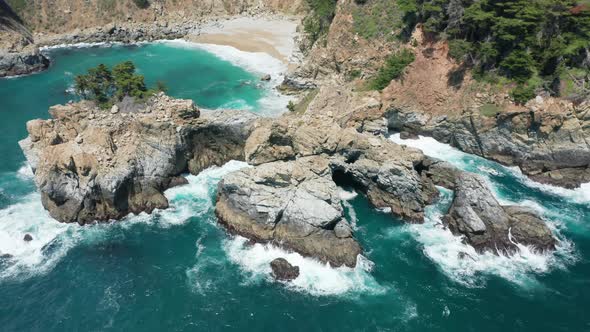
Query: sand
point(275, 37)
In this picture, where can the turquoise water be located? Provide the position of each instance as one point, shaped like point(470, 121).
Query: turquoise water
point(177, 270)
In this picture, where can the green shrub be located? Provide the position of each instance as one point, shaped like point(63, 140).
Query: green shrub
point(489, 110)
point(291, 106)
point(459, 49)
point(393, 68)
point(376, 19)
point(317, 22)
point(522, 93)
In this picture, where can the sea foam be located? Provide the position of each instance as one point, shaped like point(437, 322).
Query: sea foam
point(315, 278)
point(460, 261)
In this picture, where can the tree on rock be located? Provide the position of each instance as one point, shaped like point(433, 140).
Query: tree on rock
point(106, 87)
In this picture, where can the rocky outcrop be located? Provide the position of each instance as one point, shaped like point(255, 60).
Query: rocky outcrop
point(385, 171)
point(283, 270)
point(123, 33)
point(294, 204)
point(488, 226)
point(93, 165)
point(22, 63)
point(549, 144)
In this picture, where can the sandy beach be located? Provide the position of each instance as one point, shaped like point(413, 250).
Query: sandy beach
point(271, 36)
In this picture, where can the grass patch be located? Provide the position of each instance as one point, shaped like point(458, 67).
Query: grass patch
point(377, 19)
point(303, 104)
point(490, 110)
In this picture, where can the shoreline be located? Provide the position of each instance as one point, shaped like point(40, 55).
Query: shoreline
point(273, 35)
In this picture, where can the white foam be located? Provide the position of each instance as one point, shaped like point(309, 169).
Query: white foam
point(346, 195)
point(25, 172)
point(29, 217)
point(315, 278)
point(462, 160)
point(446, 249)
point(30, 258)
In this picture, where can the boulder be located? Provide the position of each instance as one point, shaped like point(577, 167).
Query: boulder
point(283, 270)
point(488, 226)
point(28, 238)
point(265, 77)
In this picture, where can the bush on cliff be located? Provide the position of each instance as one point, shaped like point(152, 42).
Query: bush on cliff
point(106, 87)
point(393, 68)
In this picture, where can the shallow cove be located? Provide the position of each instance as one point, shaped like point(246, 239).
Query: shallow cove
point(177, 270)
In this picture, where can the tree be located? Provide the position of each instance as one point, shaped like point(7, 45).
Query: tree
point(106, 87)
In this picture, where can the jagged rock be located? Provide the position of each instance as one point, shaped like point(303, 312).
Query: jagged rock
point(294, 204)
point(283, 270)
point(378, 167)
point(13, 64)
point(265, 77)
point(28, 238)
point(124, 165)
point(488, 226)
point(550, 144)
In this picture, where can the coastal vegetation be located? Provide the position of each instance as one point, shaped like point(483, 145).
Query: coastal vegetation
point(393, 68)
point(317, 23)
point(534, 44)
point(106, 87)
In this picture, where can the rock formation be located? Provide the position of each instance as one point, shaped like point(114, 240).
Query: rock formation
point(294, 204)
point(290, 196)
point(488, 226)
point(21, 63)
point(92, 165)
point(283, 270)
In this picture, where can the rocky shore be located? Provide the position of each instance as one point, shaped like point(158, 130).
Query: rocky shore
point(548, 141)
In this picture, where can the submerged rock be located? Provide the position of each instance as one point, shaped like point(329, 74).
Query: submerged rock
point(488, 226)
point(105, 167)
point(283, 270)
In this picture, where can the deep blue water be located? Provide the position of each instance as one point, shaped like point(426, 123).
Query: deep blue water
point(177, 270)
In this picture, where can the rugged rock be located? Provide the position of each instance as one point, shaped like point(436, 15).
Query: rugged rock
point(294, 204)
point(487, 225)
point(550, 145)
point(385, 171)
point(92, 165)
point(22, 63)
point(283, 270)
point(290, 196)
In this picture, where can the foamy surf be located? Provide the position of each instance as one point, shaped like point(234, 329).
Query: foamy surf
point(52, 240)
point(315, 278)
point(465, 161)
point(460, 261)
point(463, 264)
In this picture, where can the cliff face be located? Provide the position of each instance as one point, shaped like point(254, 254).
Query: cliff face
point(60, 16)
